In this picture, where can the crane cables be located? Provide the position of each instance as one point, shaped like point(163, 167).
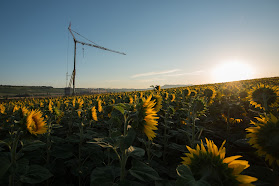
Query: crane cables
point(84, 37)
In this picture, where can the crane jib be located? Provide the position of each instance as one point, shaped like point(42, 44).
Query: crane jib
point(72, 81)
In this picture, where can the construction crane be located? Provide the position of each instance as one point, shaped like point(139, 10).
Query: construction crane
point(73, 76)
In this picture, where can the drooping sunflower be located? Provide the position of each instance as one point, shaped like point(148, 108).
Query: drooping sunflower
point(58, 114)
point(94, 114)
point(35, 122)
point(186, 92)
point(166, 95)
point(158, 100)
point(172, 97)
point(147, 117)
point(212, 165)
point(263, 96)
point(264, 137)
point(209, 93)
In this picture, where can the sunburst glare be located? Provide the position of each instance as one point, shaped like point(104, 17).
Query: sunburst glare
point(231, 71)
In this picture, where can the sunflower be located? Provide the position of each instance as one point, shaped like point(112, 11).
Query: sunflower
point(94, 114)
point(211, 164)
point(2, 108)
point(198, 106)
point(74, 102)
point(131, 100)
point(50, 106)
point(263, 96)
point(166, 96)
point(158, 100)
point(264, 137)
point(193, 93)
point(59, 114)
point(16, 108)
point(80, 103)
point(24, 111)
point(172, 97)
point(209, 93)
point(35, 122)
point(100, 108)
point(148, 117)
point(186, 92)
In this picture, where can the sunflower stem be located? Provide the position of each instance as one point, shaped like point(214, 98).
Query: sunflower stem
point(13, 157)
point(165, 139)
point(149, 151)
point(193, 130)
point(79, 152)
point(48, 147)
point(124, 157)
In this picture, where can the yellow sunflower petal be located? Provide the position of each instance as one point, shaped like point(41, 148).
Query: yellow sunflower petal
point(245, 179)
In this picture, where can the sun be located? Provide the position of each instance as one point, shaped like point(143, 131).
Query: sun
point(231, 71)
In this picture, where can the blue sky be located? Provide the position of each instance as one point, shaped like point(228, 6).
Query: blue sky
point(166, 42)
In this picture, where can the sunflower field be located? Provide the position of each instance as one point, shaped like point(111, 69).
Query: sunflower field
point(214, 134)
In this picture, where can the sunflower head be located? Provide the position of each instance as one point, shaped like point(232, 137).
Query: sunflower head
point(158, 100)
point(94, 114)
point(35, 122)
point(193, 93)
point(243, 94)
point(210, 163)
point(166, 96)
point(263, 96)
point(131, 100)
point(147, 117)
point(198, 106)
point(157, 87)
point(24, 111)
point(2, 108)
point(58, 114)
point(50, 108)
point(235, 113)
point(209, 93)
point(80, 103)
point(172, 97)
point(264, 136)
point(186, 92)
point(100, 108)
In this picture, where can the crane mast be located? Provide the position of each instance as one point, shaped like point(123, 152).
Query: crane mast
point(73, 77)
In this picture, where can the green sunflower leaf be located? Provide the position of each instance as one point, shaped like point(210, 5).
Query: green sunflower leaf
point(136, 151)
point(5, 165)
point(104, 176)
point(35, 174)
point(143, 172)
point(186, 177)
point(119, 108)
point(33, 145)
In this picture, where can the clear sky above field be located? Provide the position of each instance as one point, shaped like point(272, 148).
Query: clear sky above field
point(166, 42)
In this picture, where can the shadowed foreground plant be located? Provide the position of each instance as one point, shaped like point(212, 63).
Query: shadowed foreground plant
point(264, 136)
point(208, 166)
point(263, 96)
